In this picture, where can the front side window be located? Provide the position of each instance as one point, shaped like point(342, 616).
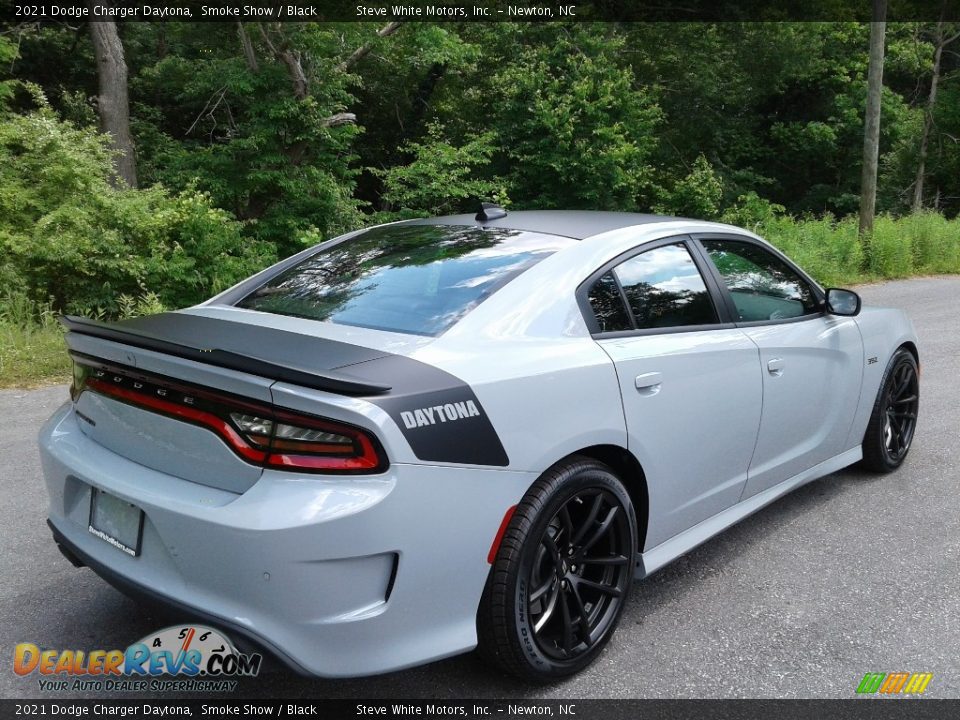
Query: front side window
point(416, 279)
point(664, 289)
point(762, 286)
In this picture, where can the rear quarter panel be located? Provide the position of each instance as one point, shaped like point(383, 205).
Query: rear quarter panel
point(545, 398)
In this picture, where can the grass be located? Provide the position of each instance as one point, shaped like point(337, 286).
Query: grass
point(32, 355)
point(32, 351)
point(922, 244)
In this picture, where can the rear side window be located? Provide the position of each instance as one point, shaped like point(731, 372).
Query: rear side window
point(416, 279)
point(607, 304)
point(664, 289)
point(659, 288)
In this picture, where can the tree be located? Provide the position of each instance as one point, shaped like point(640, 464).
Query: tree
point(941, 40)
point(574, 130)
point(871, 133)
point(70, 238)
point(113, 103)
point(297, 127)
point(442, 178)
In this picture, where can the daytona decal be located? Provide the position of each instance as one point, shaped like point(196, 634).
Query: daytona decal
point(439, 413)
point(448, 425)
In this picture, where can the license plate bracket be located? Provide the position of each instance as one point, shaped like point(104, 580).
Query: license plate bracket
point(116, 522)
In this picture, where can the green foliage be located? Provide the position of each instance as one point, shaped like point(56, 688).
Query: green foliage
point(605, 116)
point(32, 355)
point(8, 54)
point(923, 243)
point(68, 237)
point(32, 350)
point(934, 241)
point(575, 129)
point(18, 310)
point(752, 212)
point(205, 120)
point(442, 176)
point(326, 127)
point(829, 250)
point(697, 195)
point(889, 254)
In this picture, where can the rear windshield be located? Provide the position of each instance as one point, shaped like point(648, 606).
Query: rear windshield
point(417, 279)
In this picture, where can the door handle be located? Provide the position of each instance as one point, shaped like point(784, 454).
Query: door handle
point(649, 383)
point(775, 366)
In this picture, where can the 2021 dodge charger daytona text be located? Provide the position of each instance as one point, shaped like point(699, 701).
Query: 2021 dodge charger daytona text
point(464, 431)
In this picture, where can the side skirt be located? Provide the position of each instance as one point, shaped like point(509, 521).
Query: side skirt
point(668, 551)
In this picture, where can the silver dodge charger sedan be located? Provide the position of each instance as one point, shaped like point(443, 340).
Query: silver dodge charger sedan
point(469, 431)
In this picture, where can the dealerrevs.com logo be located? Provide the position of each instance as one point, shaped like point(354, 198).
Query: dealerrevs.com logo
point(199, 658)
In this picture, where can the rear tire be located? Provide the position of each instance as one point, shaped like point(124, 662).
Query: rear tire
point(894, 417)
point(562, 575)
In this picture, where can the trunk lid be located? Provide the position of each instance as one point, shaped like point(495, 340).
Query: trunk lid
point(173, 361)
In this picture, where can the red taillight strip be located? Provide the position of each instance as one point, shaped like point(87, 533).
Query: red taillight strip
point(294, 455)
point(321, 462)
point(298, 446)
point(219, 426)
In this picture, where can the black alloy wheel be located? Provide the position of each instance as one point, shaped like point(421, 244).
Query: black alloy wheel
point(562, 575)
point(579, 575)
point(894, 419)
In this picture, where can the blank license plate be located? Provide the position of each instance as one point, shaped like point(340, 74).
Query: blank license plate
point(116, 521)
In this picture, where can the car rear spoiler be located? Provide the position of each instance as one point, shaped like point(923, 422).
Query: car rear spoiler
point(327, 380)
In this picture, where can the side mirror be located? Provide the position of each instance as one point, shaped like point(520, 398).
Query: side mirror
point(843, 302)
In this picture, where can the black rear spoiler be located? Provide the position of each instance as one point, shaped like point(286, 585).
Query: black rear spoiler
point(327, 380)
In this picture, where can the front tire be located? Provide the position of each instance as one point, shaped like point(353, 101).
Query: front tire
point(562, 575)
point(894, 417)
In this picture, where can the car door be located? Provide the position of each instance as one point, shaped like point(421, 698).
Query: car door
point(811, 362)
point(689, 379)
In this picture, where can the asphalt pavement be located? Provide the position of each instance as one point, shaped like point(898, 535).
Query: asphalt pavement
point(851, 574)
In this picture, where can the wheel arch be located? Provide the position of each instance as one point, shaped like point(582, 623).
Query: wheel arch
point(877, 454)
point(912, 348)
point(626, 467)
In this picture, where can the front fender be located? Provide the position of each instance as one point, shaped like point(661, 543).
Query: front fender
point(883, 330)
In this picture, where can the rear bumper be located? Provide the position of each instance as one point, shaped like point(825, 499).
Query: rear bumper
point(241, 636)
point(336, 576)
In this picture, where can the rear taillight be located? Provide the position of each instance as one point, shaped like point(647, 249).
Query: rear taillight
point(259, 434)
point(300, 441)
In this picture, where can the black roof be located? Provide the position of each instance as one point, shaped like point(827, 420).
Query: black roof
point(578, 224)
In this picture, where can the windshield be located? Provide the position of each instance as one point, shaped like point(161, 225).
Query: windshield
point(417, 279)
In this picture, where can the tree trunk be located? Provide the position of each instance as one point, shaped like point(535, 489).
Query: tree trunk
point(361, 52)
point(871, 134)
point(421, 98)
point(113, 104)
point(941, 40)
point(247, 46)
point(917, 203)
point(291, 58)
